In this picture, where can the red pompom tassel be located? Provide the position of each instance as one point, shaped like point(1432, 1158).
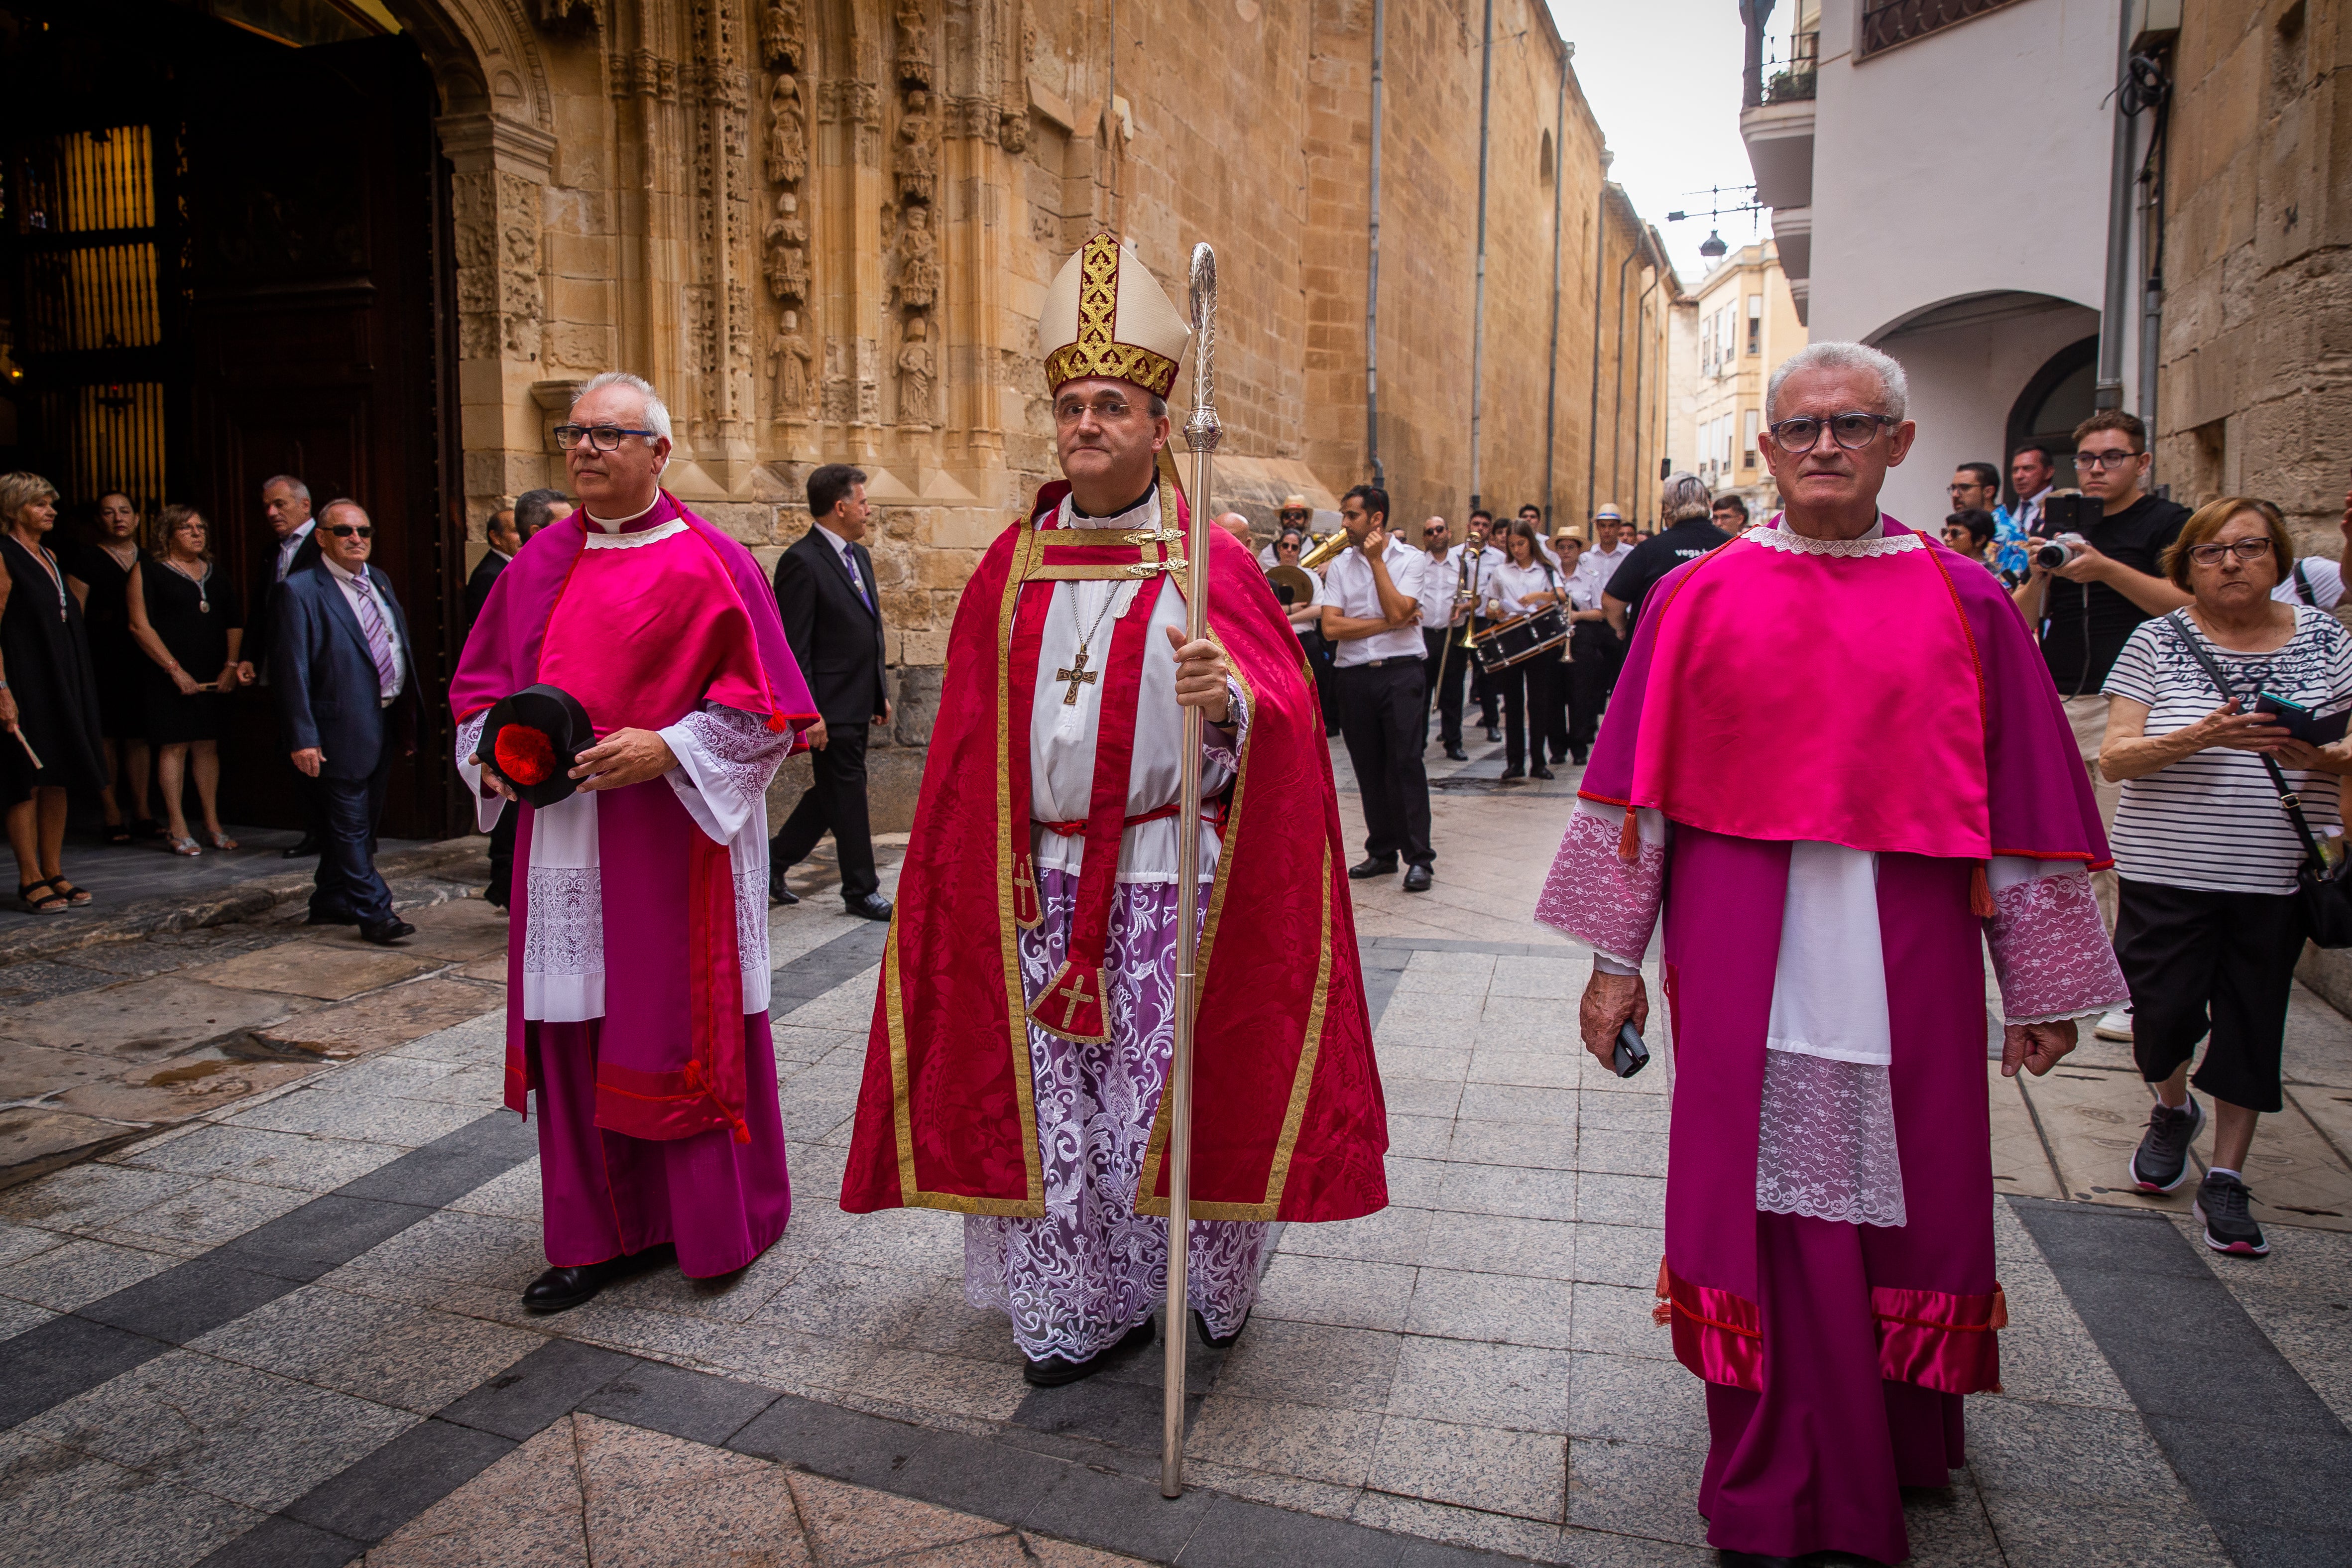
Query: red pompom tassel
point(1629, 842)
point(778, 724)
point(526, 756)
point(1979, 892)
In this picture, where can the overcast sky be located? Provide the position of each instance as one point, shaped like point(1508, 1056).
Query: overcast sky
point(1664, 77)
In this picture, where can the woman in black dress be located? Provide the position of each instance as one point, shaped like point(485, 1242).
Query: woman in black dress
point(186, 618)
point(99, 574)
point(48, 696)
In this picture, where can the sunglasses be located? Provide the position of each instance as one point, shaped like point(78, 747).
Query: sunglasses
point(352, 531)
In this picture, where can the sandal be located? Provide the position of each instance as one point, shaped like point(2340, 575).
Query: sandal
point(47, 903)
point(68, 892)
point(221, 840)
point(118, 833)
point(186, 847)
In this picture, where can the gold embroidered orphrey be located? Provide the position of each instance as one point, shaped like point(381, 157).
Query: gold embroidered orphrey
point(1095, 352)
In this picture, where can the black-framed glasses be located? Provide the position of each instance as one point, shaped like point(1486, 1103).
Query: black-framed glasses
point(2247, 550)
point(352, 531)
point(2107, 460)
point(603, 438)
point(1853, 431)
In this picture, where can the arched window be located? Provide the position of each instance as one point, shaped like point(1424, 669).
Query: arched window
point(1543, 163)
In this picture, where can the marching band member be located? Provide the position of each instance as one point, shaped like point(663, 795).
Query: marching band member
point(1443, 609)
point(1527, 584)
point(1486, 548)
point(1583, 679)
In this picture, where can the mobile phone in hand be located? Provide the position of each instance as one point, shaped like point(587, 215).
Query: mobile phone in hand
point(1632, 1055)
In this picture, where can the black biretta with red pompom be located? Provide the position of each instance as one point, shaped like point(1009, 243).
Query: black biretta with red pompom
point(533, 738)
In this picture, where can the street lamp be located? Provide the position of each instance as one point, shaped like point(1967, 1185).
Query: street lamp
point(1714, 245)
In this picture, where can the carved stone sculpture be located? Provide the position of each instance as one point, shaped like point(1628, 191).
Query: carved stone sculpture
point(914, 374)
point(918, 260)
point(914, 45)
point(787, 241)
point(790, 360)
point(783, 35)
point(919, 159)
point(788, 133)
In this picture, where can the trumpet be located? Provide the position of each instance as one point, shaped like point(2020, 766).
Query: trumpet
point(1324, 548)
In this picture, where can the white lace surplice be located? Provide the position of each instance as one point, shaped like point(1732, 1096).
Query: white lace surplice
point(724, 761)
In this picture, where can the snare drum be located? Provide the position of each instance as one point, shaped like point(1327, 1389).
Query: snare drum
point(1521, 639)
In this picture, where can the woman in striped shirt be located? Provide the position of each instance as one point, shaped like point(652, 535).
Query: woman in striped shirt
point(2208, 926)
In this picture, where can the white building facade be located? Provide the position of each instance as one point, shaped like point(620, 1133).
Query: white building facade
point(1939, 172)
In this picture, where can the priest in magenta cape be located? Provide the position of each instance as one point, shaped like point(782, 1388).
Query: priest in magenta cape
point(1022, 1033)
point(637, 956)
point(1836, 758)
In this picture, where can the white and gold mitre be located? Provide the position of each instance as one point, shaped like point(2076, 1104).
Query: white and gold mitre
point(1106, 315)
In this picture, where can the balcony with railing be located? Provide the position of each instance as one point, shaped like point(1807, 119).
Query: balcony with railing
point(1786, 72)
point(1887, 23)
point(1777, 120)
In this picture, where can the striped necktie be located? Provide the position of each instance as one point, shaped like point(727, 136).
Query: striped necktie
point(856, 578)
point(379, 636)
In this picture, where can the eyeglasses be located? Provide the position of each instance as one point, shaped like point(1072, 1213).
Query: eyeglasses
point(2245, 549)
point(1973, 485)
point(2106, 459)
point(1853, 431)
point(351, 531)
point(1110, 405)
point(603, 438)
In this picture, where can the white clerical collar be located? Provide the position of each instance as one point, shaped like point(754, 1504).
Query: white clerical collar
point(1144, 511)
point(614, 524)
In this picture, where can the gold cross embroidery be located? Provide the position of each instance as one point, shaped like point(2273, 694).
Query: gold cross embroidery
point(1075, 677)
point(1076, 991)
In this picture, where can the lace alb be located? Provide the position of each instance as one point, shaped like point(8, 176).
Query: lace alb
point(1777, 536)
point(1825, 1146)
point(652, 535)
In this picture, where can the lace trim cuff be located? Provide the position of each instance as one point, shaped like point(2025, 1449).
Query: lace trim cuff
point(1596, 897)
point(2050, 951)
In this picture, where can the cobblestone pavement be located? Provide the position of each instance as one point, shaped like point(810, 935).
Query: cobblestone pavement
point(286, 1329)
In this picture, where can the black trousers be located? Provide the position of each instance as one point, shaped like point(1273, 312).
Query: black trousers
point(2220, 961)
point(1446, 669)
point(1596, 651)
point(1534, 724)
point(835, 799)
point(347, 886)
point(1485, 690)
point(1380, 718)
point(1327, 686)
point(502, 845)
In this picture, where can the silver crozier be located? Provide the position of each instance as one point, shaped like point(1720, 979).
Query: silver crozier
point(1200, 434)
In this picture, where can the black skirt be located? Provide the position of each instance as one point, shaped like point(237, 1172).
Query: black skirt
point(194, 623)
point(115, 660)
point(50, 671)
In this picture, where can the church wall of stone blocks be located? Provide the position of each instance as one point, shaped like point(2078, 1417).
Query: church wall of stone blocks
point(824, 227)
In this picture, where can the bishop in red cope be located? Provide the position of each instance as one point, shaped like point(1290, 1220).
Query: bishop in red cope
point(1023, 1025)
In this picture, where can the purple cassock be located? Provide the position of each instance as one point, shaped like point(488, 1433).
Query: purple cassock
point(1841, 769)
point(637, 957)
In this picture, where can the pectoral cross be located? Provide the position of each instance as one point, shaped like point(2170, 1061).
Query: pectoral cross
point(1076, 993)
point(1080, 676)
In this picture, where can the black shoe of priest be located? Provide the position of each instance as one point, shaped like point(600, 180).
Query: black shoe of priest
point(1054, 1371)
point(1201, 1325)
point(561, 1289)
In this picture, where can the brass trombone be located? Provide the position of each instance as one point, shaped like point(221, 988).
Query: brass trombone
point(1324, 548)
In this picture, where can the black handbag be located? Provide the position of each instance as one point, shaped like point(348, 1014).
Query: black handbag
point(2324, 892)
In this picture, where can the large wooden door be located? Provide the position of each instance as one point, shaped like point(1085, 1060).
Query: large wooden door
point(311, 277)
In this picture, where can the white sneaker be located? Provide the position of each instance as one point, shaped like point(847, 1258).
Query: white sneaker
point(2115, 1025)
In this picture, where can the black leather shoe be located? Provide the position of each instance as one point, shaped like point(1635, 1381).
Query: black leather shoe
point(1201, 1326)
point(1515, 773)
point(1417, 879)
point(1540, 771)
point(384, 933)
point(868, 906)
point(1457, 755)
point(1493, 736)
point(1373, 866)
point(779, 894)
point(1577, 756)
point(1054, 1371)
point(309, 845)
point(561, 1289)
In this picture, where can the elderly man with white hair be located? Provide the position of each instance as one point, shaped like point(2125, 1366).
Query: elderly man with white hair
point(637, 954)
point(1837, 762)
point(1686, 509)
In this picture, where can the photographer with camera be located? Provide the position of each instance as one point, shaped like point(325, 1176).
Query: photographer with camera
point(2091, 580)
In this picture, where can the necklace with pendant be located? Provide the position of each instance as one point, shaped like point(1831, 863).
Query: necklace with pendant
point(203, 599)
point(1079, 674)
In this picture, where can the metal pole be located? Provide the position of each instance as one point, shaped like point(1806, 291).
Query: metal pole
point(1373, 278)
point(1617, 397)
point(1479, 293)
point(1201, 432)
point(1551, 378)
point(2116, 305)
point(1593, 416)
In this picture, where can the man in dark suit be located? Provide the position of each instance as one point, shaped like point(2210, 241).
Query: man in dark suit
point(344, 674)
point(503, 539)
point(832, 618)
point(294, 547)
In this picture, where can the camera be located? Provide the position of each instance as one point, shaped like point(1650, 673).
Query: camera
point(2053, 553)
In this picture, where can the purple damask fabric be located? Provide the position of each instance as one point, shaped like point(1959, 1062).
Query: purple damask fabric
point(1592, 895)
point(1077, 1281)
point(2050, 951)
